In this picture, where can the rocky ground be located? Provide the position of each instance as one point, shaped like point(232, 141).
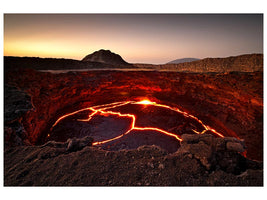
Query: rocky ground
point(232, 103)
point(202, 160)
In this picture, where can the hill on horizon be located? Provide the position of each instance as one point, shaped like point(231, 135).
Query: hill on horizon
point(105, 56)
point(182, 60)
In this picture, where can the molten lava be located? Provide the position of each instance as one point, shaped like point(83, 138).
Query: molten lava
point(105, 110)
point(145, 102)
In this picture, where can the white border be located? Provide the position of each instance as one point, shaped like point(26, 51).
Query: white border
point(123, 6)
point(133, 6)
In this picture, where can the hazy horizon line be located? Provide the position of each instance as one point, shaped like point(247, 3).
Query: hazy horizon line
point(68, 58)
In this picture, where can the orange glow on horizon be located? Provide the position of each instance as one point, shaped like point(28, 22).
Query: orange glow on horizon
point(138, 38)
point(105, 110)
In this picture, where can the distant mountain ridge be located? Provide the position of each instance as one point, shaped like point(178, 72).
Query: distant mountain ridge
point(241, 63)
point(183, 60)
point(105, 56)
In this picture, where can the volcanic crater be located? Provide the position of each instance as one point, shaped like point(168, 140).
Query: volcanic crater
point(223, 104)
point(121, 111)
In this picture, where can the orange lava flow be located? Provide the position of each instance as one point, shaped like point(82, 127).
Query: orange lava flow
point(104, 110)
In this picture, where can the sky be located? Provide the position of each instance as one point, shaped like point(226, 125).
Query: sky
point(138, 38)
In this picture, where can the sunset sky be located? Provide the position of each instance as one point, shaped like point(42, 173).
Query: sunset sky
point(138, 38)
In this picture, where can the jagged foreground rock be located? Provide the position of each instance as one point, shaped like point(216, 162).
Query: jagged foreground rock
point(202, 160)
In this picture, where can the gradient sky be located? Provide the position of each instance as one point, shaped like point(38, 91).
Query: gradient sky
point(138, 38)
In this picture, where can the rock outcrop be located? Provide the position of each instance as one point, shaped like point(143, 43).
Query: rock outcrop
point(72, 144)
point(211, 152)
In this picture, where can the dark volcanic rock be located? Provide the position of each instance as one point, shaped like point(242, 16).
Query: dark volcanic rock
point(105, 56)
point(205, 149)
point(17, 103)
point(72, 144)
point(75, 144)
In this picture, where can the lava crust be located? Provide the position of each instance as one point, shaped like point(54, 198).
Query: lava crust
point(207, 131)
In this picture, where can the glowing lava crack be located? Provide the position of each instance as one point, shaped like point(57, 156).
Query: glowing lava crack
point(105, 110)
